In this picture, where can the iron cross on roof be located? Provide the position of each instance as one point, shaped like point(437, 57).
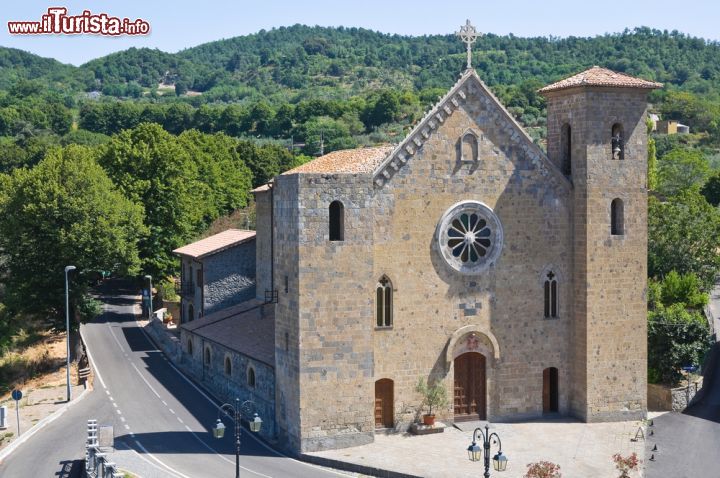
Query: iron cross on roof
point(468, 34)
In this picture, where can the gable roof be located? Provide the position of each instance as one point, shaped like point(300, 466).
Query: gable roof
point(598, 76)
point(468, 84)
point(359, 160)
point(214, 244)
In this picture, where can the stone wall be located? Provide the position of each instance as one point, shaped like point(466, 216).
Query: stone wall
point(235, 385)
point(229, 277)
point(263, 243)
point(287, 339)
point(437, 308)
point(664, 398)
point(609, 357)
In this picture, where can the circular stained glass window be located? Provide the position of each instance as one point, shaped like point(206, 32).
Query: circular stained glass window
point(470, 236)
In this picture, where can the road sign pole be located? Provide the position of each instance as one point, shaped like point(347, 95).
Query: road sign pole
point(17, 395)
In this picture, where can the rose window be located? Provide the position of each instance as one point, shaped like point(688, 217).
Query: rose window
point(470, 236)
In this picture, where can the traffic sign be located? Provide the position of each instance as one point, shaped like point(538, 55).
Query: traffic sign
point(16, 395)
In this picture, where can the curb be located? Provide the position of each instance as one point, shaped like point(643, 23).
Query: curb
point(40, 425)
point(353, 467)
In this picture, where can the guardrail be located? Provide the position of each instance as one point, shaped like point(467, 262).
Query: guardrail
point(97, 464)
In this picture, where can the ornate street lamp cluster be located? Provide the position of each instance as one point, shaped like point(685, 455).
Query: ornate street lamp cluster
point(235, 413)
point(475, 453)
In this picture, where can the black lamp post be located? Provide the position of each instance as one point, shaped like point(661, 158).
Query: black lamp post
point(235, 412)
point(475, 453)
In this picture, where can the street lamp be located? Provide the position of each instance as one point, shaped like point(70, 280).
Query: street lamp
point(235, 412)
point(67, 327)
point(475, 453)
point(150, 312)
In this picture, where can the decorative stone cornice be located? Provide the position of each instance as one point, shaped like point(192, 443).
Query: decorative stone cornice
point(467, 85)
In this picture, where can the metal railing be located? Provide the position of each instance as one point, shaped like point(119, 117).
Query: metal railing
point(185, 289)
point(97, 464)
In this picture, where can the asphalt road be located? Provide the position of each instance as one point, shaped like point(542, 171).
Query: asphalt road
point(687, 442)
point(162, 422)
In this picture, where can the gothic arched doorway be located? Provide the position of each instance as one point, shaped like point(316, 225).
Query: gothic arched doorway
point(470, 384)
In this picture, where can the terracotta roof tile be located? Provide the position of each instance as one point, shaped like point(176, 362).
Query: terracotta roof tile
point(213, 244)
point(247, 328)
point(597, 76)
point(360, 160)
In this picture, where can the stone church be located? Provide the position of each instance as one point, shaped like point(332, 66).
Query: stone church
point(464, 255)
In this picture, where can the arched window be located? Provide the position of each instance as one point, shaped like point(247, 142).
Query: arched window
point(617, 217)
point(251, 377)
point(189, 347)
point(383, 302)
point(469, 147)
point(566, 149)
point(228, 366)
point(337, 221)
point(618, 142)
point(207, 356)
point(551, 296)
point(191, 312)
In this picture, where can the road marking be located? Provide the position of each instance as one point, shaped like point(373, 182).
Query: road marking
point(164, 402)
point(127, 427)
point(111, 399)
point(158, 461)
point(180, 420)
point(118, 412)
point(122, 419)
point(92, 363)
point(172, 411)
point(115, 405)
point(112, 332)
point(146, 382)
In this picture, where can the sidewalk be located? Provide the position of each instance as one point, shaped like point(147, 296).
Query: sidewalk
point(583, 450)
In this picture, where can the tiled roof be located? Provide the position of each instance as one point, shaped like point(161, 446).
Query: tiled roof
point(597, 76)
point(247, 328)
point(213, 244)
point(360, 160)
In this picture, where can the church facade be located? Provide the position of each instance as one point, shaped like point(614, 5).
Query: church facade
point(468, 257)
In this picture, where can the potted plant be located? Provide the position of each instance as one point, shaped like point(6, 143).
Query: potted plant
point(434, 396)
point(626, 465)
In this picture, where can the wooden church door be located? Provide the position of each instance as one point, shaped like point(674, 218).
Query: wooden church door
point(469, 399)
point(384, 404)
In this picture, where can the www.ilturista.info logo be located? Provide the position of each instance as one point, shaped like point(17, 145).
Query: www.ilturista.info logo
point(57, 21)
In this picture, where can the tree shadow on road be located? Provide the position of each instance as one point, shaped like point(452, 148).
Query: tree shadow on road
point(184, 442)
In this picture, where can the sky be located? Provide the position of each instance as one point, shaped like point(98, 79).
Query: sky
point(180, 24)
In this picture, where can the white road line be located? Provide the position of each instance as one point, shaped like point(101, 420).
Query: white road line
point(172, 411)
point(168, 468)
point(111, 399)
point(115, 405)
point(118, 412)
point(112, 332)
point(127, 427)
point(122, 419)
point(107, 391)
point(164, 402)
point(144, 380)
point(92, 363)
point(180, 420)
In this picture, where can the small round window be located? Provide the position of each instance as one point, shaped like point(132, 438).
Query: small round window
point(470, 236)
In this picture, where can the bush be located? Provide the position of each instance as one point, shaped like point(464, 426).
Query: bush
point(543, 469)
point(676, 338)
point(88, 308)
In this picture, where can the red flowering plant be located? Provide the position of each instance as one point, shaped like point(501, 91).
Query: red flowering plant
point(625, 465)
point(543, 469)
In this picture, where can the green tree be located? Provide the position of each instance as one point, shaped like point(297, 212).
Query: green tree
point(711, 189)
point(652, 173)
point(676, 338)
point(684, 235)
point(681, 170)
point(683, 289)
point(151, 167)
point(64, 211)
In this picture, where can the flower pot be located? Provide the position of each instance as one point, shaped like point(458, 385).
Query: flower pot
point(429, 420)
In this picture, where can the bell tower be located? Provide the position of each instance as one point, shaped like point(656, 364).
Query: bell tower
point(597, 137)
